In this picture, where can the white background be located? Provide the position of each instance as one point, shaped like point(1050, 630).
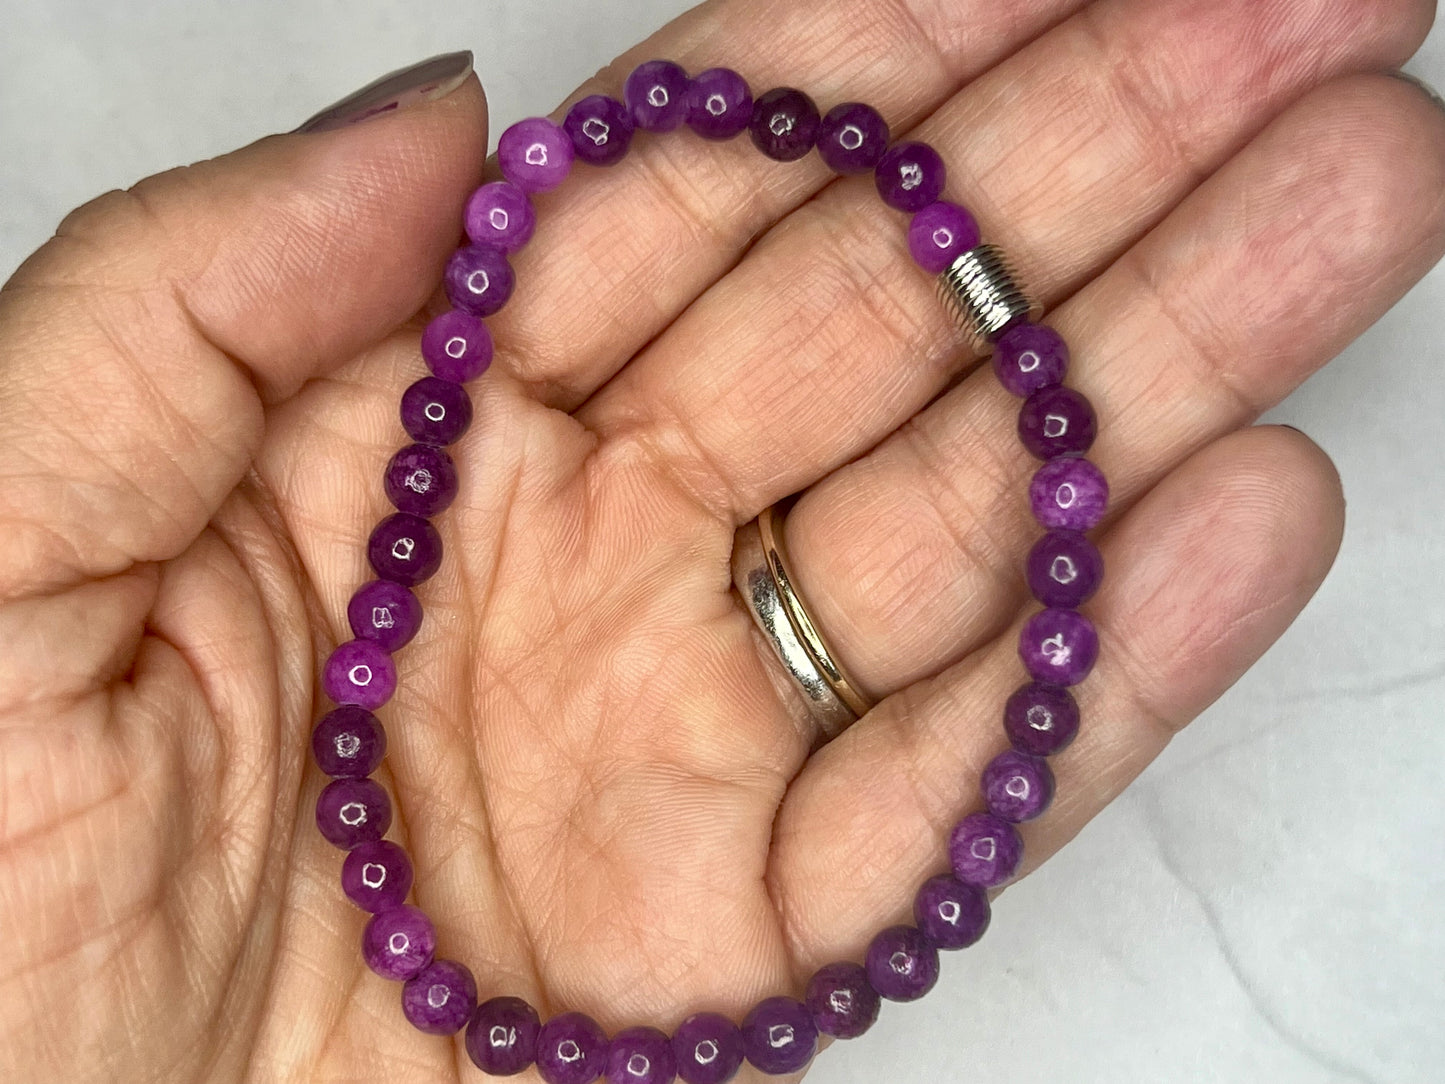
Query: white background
point(1265, 904)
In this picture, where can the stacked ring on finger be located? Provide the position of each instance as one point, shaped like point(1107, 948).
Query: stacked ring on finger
point(1058, 645)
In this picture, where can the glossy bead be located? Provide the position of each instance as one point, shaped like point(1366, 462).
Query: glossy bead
point(1017, 787)
point(640, 1056)
point(719, 104)
point(420, 479)
point(708, 1048)
point(348, 742)
point(901, 964)
point(843, 1003)
point(571, 1049)
point(376, 876)
point(941, 233)
point(910, 176)
point(359, 672)
point(1064, 569)
point(478, 279)
point(1057, 421)
point(779, 1036)
point(350, 812)
point(501, 215)
point(985, 850)
point(600, 128)
point(656, 95)
point(440, 998)
point(1027, 357)
point(534, 154)
point(784, 124)
point(502, 1036)
point(435, 411)
point(951, 914)
point(1069, 493)
point(456, 346)
point(384, 612)
point(399, 942)
point(1041, 719)
point(852, 138)
point(1059, 646)
point(405, 549)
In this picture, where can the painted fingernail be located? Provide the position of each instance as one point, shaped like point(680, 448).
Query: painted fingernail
point(433, 78)
point(1430, 92)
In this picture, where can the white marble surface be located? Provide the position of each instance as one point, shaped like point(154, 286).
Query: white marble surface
point(1265, 904)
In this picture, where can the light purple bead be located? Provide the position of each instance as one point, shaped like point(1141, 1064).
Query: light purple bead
point(571, 1049)
point(784, 124)
point(435, 411)
point(421, 479)
point(1017, 787)
point(902, 965)
point(405, 549)
point(440, 998)
point(843, 1003)
point(708, 1048)
point(852, 138)
point(398, 943)
point(502, 1036)
point(779, 1036)
point(910, 176)
point(456, 346)
point(1041, 719)
point(350, 812)
point(1069, 493)
point(1064, 569)
point(1028, 357)
point(359, 672)
point(535, 155)
point(985, 850)
point(376, 876)
point(385, 612)
point(600, 128)
point(951, 914)
point(500, 214)
point(719, 104)
point(940, 234)
point(1057, 421)
point(348, 742)
point(1059, 646)
point(478, 279)
point(656, 95)
point(640, 1056)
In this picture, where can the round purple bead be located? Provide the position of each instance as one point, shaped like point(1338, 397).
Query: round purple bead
point(656, 95)
point(1057, 421)
point(1017, 787)
point(478, 279)
point(456, 346)
point(535, 155)
point(1041, 719)
point(500, 214)
point(985, 850)
point(600, 128)
point(719, 104)
point(779, 1036)
point(1069, 493)
point(440, 998)
point(1059, 646)
point(640, 1056)
point(951, 914)
point(398, 942)
point(405, 549)
point(350, 812)
point(902, 965)
point(359, 672)
point(502, 1036)
point(852, 138)
point(910, 176)
point(708, 1048)
point(385, 612)
point(571, 1049)
point(940, 234)
point(376, 876)
point(1028, 357)
point(435, 411)
point(421, 479)
point(348, 742)
point(784, 124)
point(1064, 569)
point(843, 1003)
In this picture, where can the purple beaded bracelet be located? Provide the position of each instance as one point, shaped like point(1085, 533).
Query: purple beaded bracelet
point(1058, 645)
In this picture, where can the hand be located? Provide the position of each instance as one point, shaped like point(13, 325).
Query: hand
point(606, 789)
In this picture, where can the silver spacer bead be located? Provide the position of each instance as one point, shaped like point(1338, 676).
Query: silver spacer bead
point(982, 293)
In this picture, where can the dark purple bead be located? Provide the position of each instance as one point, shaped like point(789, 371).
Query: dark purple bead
point(440, 998)
point(708, 1048)
point(405, 549)
point(571, 1049)
point(784, 124)
point(910, 176)
point(1069, 493)
point(1056, 421)
point(456, 346)
point(1028, 357)
point(1059, 646)
point(719, 104)
point(951, 914)
point(985, 850)
point(852, 138)
point(535, 155)
point(902, 965)
point(421, 479)
point(779, 1036)
point(359, 672)
point(1064, 569)
point(656, 95)
point(500, 214)
point(1041, 719)
point(940, 234)
point(399, 942)
point(600, 128)
point(478, 279)
point(385, 612)
point(435, 411)
point(350, 812)
point(502, 1036)
point(348, 742)
point(376, 876)
point(1017, 787)
point(843, 1003)
point(640, 1056)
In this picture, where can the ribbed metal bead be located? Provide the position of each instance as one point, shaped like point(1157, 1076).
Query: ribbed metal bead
point(984, 296)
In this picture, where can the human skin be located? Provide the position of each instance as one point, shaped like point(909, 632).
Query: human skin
point(608, 790)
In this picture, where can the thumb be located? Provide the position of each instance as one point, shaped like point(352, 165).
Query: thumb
point(139, 346)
